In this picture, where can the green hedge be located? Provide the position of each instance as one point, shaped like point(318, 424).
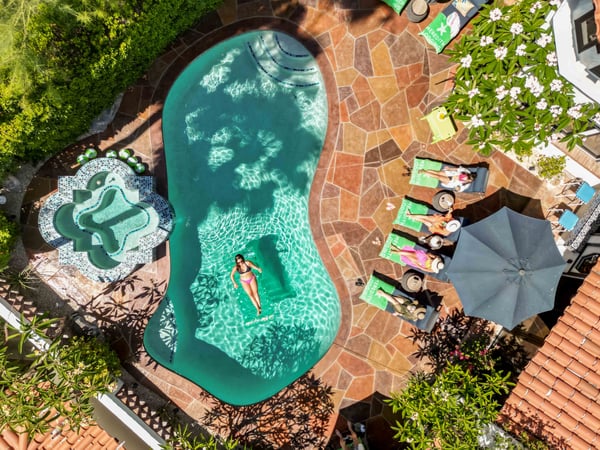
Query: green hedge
point(70, 59)
point(8, 236)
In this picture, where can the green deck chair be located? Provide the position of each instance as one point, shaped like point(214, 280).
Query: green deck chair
point(402, 241)
point(369, 295)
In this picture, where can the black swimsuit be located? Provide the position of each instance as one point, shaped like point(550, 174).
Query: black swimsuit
point(245, 271)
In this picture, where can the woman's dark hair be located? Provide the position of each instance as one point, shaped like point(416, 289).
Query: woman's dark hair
point(239, 257)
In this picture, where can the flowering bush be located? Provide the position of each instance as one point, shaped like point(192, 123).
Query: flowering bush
point(450, 410)
point(507, 87)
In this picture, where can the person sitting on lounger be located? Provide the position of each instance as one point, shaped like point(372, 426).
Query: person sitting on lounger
point(404, 307)
point(442, 224)
point(456, 178)
point(419, 259)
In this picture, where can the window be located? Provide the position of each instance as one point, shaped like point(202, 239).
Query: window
point(585, 32)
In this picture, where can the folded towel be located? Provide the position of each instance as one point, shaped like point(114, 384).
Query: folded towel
point(449, 22)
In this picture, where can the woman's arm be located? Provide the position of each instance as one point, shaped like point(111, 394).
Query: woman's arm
point(235, 285)
point(253, 266)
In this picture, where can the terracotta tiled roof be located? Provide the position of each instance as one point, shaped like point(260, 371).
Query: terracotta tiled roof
point(61, 438)
point(557, 395)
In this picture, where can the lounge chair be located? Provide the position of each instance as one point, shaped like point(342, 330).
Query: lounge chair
point(449, 22)
point(369, 295)
point(420, 208)
point(397, 240)
point(478, 185)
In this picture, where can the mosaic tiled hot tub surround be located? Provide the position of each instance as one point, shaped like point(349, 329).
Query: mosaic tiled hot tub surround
point(105, 220)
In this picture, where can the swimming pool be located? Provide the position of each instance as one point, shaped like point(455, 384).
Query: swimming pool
point(243, 128)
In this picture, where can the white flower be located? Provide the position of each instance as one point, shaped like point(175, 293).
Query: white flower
point(495, 14)
point(556, 85)
point(554, 137)
point(500, 52)
point(515, 138)
point(574, 111)
point(544, 40)
point(466, 61)
point(501, 92)
point(473, 92)
point(534, 86)
point(537, 126)
point(414, 416)
point(535, 6)
point(541, 105)
point(486, 40)
point(520, 50)
point(556, 110)
point(514, 92)
point(552, 59)
point(516, 28)
point(476, 121)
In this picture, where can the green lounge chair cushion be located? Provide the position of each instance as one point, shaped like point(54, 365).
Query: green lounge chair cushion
point(396, 5)
point(414, 208)
point(398, 241)
point(419, 179)
point(370, 291)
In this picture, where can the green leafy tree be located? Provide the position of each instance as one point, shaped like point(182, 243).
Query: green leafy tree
point(64, 61)
point(450, 410)
point(37, 386)
point(508, 90)
point(185, 439)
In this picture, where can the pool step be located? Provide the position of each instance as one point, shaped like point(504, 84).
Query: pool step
point(284, 60)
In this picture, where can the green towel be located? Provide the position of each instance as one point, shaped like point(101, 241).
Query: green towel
point(370, 291)
point(414, 208)
point(247, 308)
point(396, 5)
point(419, 179)
point(398, 241)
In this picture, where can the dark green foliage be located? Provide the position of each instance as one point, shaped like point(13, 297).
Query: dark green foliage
point(39, 385)
point(8, 236)
point(466, 341)
point(68, 60)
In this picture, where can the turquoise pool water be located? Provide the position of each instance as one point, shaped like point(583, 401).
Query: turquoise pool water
point(243, 129)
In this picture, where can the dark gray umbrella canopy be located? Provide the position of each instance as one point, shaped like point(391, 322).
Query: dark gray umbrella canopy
point(506, 268)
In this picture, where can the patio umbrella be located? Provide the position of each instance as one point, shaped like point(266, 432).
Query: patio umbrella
point(506, 268)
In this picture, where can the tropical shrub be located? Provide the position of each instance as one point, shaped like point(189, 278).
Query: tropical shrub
point(38, 386)
point(185, 439)
point(64, 61)
point(507, 88)
point(450, 410)
point(551, 166)
point(9, 232)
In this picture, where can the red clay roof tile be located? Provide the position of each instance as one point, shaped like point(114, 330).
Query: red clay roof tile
point(561, 384)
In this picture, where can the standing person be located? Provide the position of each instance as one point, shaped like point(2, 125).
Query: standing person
point(248, 279)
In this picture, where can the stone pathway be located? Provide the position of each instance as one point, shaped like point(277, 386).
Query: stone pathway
point(381, 77)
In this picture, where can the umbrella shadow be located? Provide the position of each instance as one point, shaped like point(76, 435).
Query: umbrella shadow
point(481, 209)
